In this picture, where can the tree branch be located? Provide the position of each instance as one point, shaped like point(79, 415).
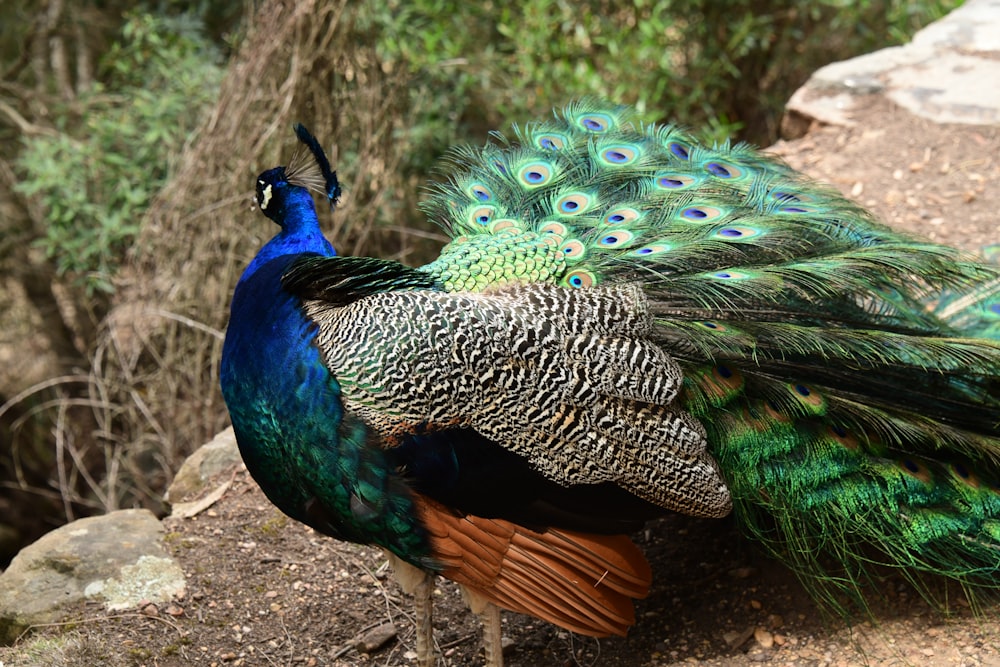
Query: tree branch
point(84, 63)
point(57, 51)
point(23, 124)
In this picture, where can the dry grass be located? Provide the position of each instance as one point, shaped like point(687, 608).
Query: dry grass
point(303, 61)
point(153, 388)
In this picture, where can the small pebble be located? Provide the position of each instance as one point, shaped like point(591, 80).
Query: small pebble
point(763, 637)
point(376, 638)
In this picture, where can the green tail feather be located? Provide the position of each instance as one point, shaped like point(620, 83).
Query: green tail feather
point(848, 375)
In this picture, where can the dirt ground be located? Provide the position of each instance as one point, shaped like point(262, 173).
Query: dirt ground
point(263, 590)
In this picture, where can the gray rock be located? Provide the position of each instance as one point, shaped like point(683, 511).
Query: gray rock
point(118, 558)
point(949, 73)
point(218, 456)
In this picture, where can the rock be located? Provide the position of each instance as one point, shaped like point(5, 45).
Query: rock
point(735, 639)
point(764, 638)
point(218, 456)
point(117, 558)
point(945, 74)
point(376, 638)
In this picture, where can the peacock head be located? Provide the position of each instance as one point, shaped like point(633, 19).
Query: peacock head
point(278, 187)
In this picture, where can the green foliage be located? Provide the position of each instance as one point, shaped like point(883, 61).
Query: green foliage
point(726, 67)
point(117, 143)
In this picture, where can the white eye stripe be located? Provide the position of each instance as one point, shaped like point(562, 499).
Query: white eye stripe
point(265, 196)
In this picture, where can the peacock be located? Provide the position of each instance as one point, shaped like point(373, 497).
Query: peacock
point(625, 322)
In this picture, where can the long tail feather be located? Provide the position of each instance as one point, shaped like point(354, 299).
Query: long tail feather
point(848, 375)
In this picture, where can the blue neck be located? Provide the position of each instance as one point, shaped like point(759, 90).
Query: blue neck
point(311, 458)
point(300, 232)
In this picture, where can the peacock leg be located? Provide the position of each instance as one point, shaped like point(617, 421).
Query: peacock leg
point(492, 643)
point(420, 585)
point(489, 616)
point(423, 609)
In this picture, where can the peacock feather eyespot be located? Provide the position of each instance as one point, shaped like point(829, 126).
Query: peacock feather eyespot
point(574, 204)
point(807, 397)
point(679, 150)
point(711, 326)
point(729, 275)
point(964, 475)
point(737, 233)
point(620, 155)
point(573, 249)
point(727, 376)
point(480, 192)
point(886, 291)
point(786, 197)
point(718, 384)
point(752, 418)
point(654, 249)
point(580, 279)
point(595, 123)
point(482, 215)
point(621, 216)
point(702, 213)
point(795, 209)
point(774, 412)
point(556, 228)
point(674, 181)
point(551, 141)
point(916, 469)
point(724, 170)
point(617, 239)
point(535, 174)
point(842, 436)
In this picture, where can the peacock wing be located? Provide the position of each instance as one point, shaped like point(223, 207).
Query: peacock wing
point(563, 378)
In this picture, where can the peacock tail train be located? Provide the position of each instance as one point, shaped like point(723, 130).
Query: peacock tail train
point(848, 376)
point(624, 322)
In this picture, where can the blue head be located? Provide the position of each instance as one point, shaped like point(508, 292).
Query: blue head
point(283, 195)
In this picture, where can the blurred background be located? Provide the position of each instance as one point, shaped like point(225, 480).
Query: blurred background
point(131, 133)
